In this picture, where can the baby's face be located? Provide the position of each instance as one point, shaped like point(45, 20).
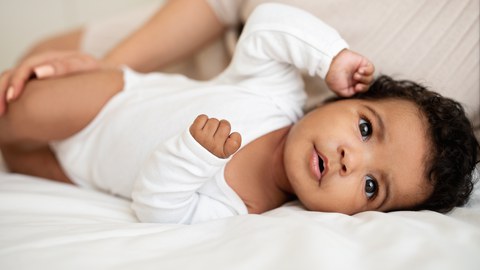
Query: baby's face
point(355, 155)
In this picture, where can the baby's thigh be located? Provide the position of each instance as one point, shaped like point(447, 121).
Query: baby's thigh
point(55, 109)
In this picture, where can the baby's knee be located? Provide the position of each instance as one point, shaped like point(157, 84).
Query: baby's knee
point(57, 108)
point(20, 114)
point(29, 115)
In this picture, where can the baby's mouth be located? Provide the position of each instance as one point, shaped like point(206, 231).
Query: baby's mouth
point(321, 164)
point(318, 164)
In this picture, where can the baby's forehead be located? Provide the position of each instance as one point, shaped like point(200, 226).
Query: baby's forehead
point(407, 146)
point(396, 106)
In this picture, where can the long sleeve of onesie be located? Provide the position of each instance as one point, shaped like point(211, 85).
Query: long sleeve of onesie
point(166, 191)
point(277, 41)
point(277, 36)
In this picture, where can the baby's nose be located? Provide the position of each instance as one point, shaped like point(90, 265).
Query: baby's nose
point(351, 160)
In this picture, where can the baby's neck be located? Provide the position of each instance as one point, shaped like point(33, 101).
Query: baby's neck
point(257, 173)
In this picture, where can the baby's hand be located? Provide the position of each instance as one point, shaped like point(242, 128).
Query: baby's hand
point(349, 73)
point(215, 136)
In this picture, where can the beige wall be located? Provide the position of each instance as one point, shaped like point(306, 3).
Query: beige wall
point(22, 22)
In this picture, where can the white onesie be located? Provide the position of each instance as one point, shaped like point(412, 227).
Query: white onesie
point(139, 146)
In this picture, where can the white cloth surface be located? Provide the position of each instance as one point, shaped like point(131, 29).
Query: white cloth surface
point(49, 225)
point(140, 138)
point(227, 11)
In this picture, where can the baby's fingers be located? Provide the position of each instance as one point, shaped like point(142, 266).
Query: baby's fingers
point(214, 135)
point(197, 126)
point(203, 130)
point(363, 79)
point(229, 143)
point(222, 131)
point(224, 144)
point(17, 82)
point(367, 68)
point(359, 87)
point(233, 143)
point(364, 76)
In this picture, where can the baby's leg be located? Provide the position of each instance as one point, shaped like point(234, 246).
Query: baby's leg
point(52, 110)
point(58, 108)
point(40, 162)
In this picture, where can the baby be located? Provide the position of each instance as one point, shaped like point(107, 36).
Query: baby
point(147, 137)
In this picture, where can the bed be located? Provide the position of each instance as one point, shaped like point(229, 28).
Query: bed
point(50, 225)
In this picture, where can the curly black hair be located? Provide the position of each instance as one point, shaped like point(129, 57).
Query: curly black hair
point(454, 147)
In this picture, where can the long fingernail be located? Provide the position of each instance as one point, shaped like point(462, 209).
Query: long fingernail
point(10, 93)
point(44, 71)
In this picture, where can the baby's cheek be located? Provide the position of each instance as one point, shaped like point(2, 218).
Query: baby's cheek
point(341, 195)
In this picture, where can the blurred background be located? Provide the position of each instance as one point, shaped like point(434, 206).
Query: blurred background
point(22, 22)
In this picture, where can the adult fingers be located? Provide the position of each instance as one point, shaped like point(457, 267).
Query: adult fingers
point(49, 65)
point(68, 65)
point(4, 86)
point(25, 70)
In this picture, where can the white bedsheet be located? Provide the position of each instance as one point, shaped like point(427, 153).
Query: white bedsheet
point(49, 225)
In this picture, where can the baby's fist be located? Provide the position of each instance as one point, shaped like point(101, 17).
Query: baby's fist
point(349, 73)
point(214, 135)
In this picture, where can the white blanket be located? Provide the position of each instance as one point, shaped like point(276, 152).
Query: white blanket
point(49, 225)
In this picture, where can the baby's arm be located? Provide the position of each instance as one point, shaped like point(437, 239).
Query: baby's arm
point(215, 136)
point(272, 50)
point(169, 186)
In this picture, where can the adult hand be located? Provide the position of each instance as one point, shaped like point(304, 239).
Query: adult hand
point(214, 135)
point(349, 73)
point(41, 66)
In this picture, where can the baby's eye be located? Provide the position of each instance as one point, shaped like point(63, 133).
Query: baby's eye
point(371, 187)
point(365, 128)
